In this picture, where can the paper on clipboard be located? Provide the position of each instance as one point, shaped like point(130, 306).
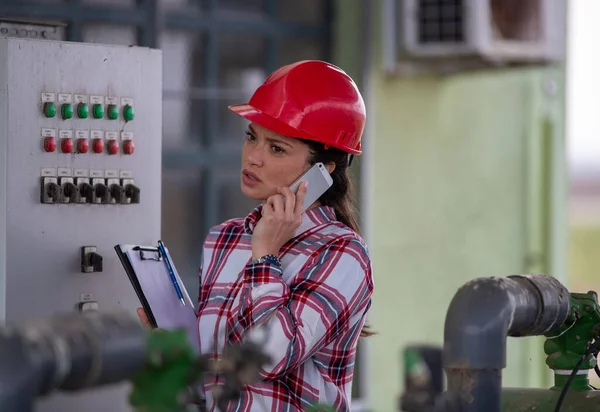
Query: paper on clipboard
point(150, 278)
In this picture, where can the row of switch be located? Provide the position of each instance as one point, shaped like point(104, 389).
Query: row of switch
point(84, 190)
point(83, 146)
point(83, 111)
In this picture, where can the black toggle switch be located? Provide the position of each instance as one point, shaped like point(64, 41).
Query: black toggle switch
point(133, 193)
point(116, 192)
point(101, 192)
point(91, 261)
point(95, 261)
point(87, 192)
point(53, 191)
point(71, 191)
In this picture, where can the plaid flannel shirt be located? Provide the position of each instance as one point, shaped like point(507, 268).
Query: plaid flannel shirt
point(313, 307)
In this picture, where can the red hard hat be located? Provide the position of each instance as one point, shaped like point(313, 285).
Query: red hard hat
point(311, 100)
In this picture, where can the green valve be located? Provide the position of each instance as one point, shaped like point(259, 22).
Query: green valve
point(113, 112)
point(49, 109)
point(98, 111)
point(83, 110)
point(128, 113)
point(67, 111)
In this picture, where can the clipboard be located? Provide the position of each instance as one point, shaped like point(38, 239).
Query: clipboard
point(149, 276)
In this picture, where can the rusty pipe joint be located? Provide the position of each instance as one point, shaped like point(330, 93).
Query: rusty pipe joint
point(482, 314)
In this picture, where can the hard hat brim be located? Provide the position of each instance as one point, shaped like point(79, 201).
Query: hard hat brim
point(255, 115)
point(267, 121)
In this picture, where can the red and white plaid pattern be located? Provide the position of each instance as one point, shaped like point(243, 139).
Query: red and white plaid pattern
point(313, 310)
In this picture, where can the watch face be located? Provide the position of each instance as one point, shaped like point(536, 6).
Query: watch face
point(269, 258)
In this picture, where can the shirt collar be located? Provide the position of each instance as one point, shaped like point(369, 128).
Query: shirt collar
point(313, 217)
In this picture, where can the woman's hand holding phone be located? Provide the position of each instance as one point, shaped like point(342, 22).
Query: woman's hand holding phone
point(281, 216)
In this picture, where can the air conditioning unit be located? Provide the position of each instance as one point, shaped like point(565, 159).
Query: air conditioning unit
point(450, 34)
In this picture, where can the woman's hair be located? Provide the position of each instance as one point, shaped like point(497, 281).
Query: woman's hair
point(341, 194)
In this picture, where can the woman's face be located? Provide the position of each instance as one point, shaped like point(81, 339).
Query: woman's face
point(269, 161)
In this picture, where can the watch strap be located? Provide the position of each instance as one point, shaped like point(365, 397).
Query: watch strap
point(272, 259)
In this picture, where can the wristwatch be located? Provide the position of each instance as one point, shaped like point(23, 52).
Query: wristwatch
point(272, 259)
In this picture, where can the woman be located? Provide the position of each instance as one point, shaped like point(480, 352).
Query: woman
point(306, 277)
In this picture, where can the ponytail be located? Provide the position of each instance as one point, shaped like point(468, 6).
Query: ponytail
point(341, 194)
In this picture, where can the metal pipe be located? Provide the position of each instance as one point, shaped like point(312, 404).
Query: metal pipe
point(482, 314)
point(67, 353)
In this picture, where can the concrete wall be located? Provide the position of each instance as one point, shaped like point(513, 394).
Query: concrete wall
point(466, 181)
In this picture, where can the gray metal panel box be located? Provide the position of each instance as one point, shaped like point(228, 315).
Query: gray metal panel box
point(80, 171)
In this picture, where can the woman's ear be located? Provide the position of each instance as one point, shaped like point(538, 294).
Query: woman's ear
point(330, 167)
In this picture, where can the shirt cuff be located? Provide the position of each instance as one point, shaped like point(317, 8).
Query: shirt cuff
point(263, 272)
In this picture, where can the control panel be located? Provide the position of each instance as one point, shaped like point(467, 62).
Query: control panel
point(80, 134)
point(83, 185)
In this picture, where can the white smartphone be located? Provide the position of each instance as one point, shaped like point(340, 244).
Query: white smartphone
point(319, 180)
